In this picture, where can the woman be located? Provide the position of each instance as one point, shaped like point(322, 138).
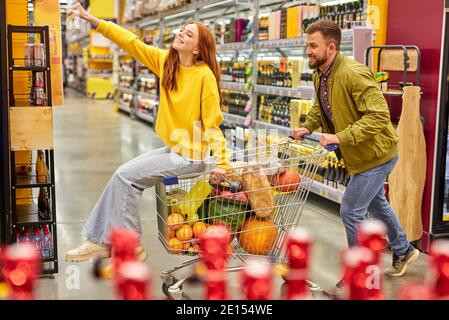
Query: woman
point(188, 123)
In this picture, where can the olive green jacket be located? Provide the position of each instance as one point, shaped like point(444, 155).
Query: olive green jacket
point(360, 113)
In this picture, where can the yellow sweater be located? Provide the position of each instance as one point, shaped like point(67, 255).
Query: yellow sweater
point(189, 118)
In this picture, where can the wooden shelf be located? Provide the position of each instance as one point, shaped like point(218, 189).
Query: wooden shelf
point(27, 214)
point(23, 68)
point(31, 182)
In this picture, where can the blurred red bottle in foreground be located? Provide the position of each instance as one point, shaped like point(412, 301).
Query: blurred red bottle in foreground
point(371, 235)
point(362, 277)
point(257, 279)
point(299, 243)
point(123, 244)
point(213, 247)
point(133, 281)
point(20, 269)
point(213, 252)
point(215, 285)
point(439, 253)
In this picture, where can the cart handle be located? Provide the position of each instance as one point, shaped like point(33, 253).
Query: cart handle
point(329, 147)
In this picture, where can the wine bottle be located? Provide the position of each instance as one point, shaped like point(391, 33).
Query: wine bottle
point(41, 167)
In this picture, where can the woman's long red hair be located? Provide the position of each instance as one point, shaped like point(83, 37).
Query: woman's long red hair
point(207, 54)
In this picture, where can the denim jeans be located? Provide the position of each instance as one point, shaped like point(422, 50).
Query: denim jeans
point(118, 205)
point(365, 192)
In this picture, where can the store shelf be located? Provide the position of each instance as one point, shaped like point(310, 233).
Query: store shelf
point(146, 76)
point(235, 86)
point(281, 130)
point(125, 90)
point(235, 118)
point(27, 214)
point(31, 182)
point(126, 74)
point(143, 116)
point(300, 93)
point(124, 108)
point(233, 46)
point(101, 60)
point(23, 68)
point(147, 95)
point(79, 38)
point(346, 37)
point(327, 192)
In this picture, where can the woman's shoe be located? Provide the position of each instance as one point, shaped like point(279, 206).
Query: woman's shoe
point(88, 249)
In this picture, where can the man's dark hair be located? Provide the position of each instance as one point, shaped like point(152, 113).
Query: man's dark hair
point(329, 30)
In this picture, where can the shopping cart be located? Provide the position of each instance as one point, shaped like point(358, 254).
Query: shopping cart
point(262, 197)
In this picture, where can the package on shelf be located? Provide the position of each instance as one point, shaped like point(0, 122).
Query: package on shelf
point(150, 7)
point(171, 4)
point(128, 14)
point(263, 27)
point(299, 109)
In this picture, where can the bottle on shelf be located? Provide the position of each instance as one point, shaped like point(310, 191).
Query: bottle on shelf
point(41, 167)
point(47, 243)
point(27, 236)
point(43, 204)
point(37, 240)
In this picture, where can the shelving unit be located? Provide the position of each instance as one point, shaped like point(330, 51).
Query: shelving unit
point(35, 134)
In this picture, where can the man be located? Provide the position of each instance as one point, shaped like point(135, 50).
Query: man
point(352, 112)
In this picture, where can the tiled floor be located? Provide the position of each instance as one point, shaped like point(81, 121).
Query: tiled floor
point(91, 141)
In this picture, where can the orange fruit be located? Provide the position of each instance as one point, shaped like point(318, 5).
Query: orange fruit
point(171, 233)
point(184, 233)
point(174, 245)
point(175, 221)
point(230, 249)
point(199, 228)
point(196, 248)
point(186, 245)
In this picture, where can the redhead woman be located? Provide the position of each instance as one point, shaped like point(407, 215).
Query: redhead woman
point(188, 123)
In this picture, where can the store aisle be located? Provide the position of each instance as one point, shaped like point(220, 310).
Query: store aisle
point(91, 141)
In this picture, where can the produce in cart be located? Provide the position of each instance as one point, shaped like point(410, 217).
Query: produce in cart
point(228, 213)
point(259, 191)
point(258, 236)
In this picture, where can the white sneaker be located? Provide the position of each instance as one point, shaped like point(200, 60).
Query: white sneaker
point(87, 250)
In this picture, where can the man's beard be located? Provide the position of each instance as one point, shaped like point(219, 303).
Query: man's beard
point(318, 62)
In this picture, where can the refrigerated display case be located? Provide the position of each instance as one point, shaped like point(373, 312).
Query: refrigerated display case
point(412, 22)
point(440, 217)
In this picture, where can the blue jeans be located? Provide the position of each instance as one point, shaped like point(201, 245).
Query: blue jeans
point(118, 205)
point(365, 192)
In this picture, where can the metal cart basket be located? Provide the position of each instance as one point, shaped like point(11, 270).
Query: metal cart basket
point(262, 197)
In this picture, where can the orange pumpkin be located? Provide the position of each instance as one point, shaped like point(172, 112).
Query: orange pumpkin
point(258, 236)
point(288, 181)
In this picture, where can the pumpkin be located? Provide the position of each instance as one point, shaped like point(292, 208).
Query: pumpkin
point(258, 236)
point(288, 181)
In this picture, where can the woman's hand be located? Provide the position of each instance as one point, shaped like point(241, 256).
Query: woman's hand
point(78, 10)
point(219, 173)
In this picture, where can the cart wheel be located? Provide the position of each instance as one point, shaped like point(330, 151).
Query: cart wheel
point(165, 287)
point(168, 295)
